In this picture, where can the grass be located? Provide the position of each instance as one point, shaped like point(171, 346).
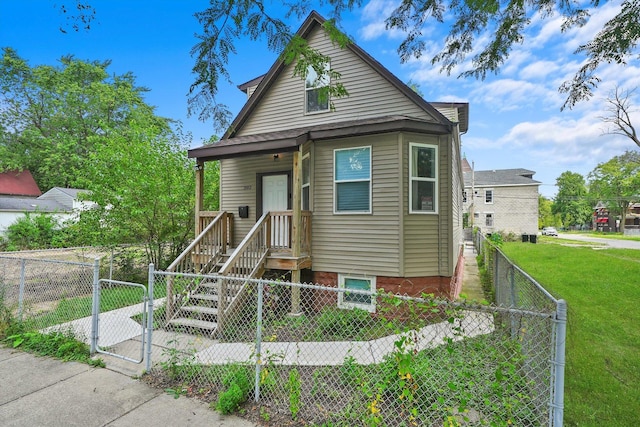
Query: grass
point(78, 307)
point(602, 291)
point(61, 345)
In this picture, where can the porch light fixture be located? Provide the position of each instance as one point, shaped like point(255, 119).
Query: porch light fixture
point(275, 157)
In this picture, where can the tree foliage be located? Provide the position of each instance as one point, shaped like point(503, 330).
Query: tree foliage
point(546, 218)
point(51, 115)
point(617, 183)
point(485, 30)
point(78, 126)
point(572, 202)
point(144, 192)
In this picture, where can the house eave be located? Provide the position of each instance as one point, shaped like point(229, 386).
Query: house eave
point(289, 140)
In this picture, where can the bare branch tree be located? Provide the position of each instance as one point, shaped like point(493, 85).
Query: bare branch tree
point(619, 109)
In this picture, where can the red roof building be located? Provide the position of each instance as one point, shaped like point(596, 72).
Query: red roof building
point(15, 183)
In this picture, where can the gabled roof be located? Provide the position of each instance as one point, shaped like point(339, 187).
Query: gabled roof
point(500, 177)
point(289, 139)
point(18, 183)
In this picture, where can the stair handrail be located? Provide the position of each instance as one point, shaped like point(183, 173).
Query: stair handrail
point(173, 300)
point(225, 270)
point(255, 261)
point(196, 242)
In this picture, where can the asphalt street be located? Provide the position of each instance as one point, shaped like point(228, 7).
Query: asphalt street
point(613, 243)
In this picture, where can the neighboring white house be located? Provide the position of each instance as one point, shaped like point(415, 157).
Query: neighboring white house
point(68, 198)
point(504, 200)
point(62, 203)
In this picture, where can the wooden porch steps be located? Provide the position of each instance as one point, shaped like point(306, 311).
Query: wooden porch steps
point(191, 324)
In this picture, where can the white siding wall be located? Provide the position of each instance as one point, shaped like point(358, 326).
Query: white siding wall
point(370, 95)
point(514, 209)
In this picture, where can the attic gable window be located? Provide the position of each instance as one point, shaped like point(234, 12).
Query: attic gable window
point(316, 100)
point(423, 178)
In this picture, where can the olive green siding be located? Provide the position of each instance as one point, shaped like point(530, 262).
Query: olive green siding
point(238, 186)
point(358, 243)
point(387, 242)
point(427, 236)
point(370, 95)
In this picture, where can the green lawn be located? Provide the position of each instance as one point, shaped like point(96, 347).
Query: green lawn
point(602, 290)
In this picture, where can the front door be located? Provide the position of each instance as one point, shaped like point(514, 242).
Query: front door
point(275, 197)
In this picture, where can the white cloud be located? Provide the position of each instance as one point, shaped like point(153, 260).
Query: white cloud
point(538, 70)
point(373, 15)
point(509, 94)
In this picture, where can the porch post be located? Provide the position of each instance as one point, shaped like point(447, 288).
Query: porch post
point(295, 228)
point(199, 191)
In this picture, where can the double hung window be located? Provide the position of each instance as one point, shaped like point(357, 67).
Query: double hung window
point(423, 178)
point(352, 180)
point(316, 96)
point(488, 197)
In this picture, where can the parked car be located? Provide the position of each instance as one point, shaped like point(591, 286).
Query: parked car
point(549, 231)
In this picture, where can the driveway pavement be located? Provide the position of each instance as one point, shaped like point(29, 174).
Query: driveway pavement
point(612, 243)
point(41, 391)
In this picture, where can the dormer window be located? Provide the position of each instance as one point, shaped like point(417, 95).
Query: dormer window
point(316, 100)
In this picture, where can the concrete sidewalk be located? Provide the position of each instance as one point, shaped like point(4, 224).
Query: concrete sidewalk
point(41, 391)
point(471, 285)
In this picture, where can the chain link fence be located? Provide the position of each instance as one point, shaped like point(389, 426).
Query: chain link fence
point(305, 354)
point(542, 335)
point(47, 294)
point(411, 361)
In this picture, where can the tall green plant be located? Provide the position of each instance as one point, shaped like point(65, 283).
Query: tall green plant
point(32, 231)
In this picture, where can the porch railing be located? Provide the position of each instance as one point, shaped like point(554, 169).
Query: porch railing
point(200, 257)
point(281, 227)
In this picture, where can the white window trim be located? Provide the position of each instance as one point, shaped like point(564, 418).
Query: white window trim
point(307, 89)
point(436, 202)
point(335, 182)
point(493, 219)
point(493, 195)
point(350, 305)
point(308, 184)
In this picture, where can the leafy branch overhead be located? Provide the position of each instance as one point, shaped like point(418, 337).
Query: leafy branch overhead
point(481, 36)
point(223, 24)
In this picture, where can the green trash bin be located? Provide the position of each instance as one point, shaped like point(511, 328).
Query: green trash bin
point(525, 238)
point(533, 238)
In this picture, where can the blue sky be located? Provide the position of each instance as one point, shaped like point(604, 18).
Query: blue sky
point(515, 117)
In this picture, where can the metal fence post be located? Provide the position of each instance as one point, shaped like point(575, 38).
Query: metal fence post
point(21, 291)
point(513, 300)
point(95, 309)
point(150, 317)
point(558, 364)
point(496, 279)
point(258, 342)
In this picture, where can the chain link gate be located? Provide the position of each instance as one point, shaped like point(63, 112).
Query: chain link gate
point(121, 325)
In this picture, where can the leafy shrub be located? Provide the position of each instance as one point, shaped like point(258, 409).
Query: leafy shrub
point(238, 384)
point(32, 232)
point(340, 324)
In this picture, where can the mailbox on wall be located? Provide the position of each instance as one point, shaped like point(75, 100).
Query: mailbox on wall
point(243, 211)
